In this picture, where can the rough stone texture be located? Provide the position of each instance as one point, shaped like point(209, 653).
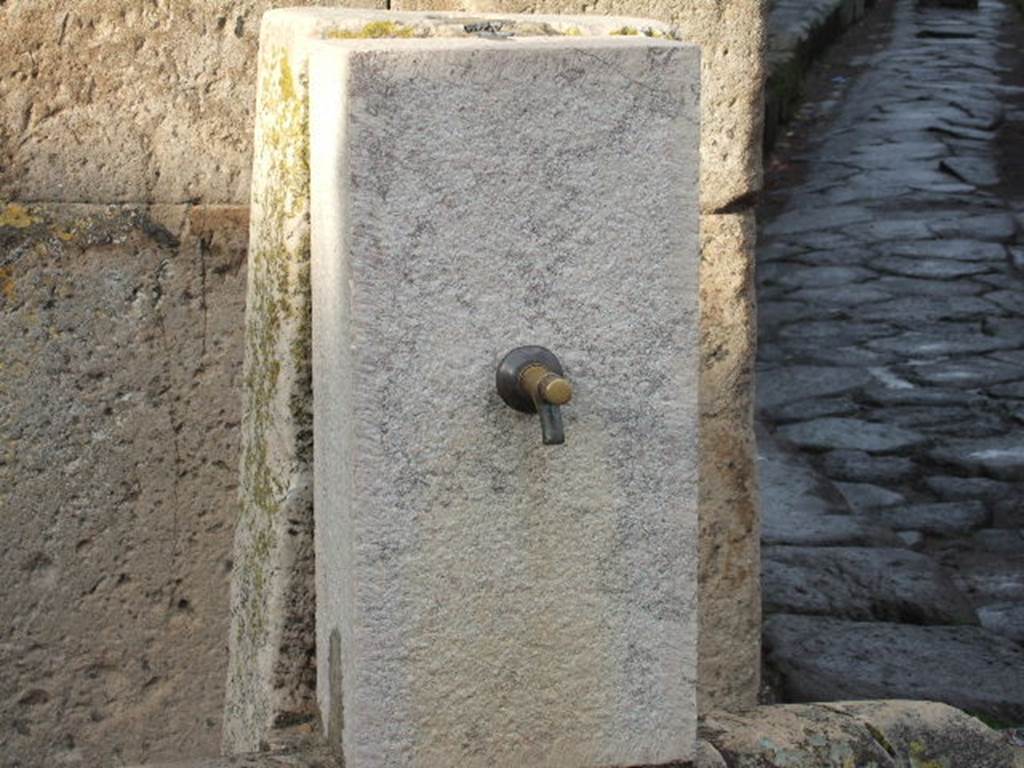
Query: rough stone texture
point(112, 101)
point(883, 734)
point(731, 34)
point(200, 105)
point(729, 648)
point(465, 620)
point(822, 658)
point(886, 734)
point(118, 101)
point(864, 584)
point(121, 335)
point(257, 698)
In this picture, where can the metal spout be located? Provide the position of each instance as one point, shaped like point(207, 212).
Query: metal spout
point(531, 380)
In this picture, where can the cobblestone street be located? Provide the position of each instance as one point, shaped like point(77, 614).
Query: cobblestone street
point(891, 368)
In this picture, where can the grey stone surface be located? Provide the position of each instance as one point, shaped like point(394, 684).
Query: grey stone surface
point(885, 734)
point(988, 578)
point(790, 384)
point(948, 517)
point(971, 372)
point(910, 129)
point(861, 467)
point(968, 488)
point(961, 250)
point(862, 583)
point(918, 345)
point(121, 335)
point(979, 171)
point(465, 619)
point(855, 434)
point(1006, 619)
point(932, 269)
point(1000, 457)
point(863, 496)
point(1007, 541)
point(969, 667)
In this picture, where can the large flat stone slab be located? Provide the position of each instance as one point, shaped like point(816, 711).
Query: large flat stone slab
point(483, 599)
point(861, 583)
point(826, 659)
point(853, 434)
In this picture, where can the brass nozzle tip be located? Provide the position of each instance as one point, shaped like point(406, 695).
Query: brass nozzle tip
point(556, 390)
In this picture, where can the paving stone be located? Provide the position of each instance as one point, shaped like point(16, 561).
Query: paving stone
point(827, 659)
point(950, 488)
point(1001, 457)
point(815, 353)
point(839, 332)
point(812, 409)
point(863, 496)
point(835, 432)
point(916, 286)
point(939, 518)
point(915, 395)
point(885, 230)
point(992, 227)
point(972, 372)
point(901, 151)
point(914, 311)
point(808, 219)
point(1015, 255)
point(858, 466)
point(775, 313)
point(1014, 390)
point(841, 257)
point(815, 277)
point(1008, 512)
point(842, 295)
point(914, 540)
point(1006, 619)
point(938, 343)
point(1006, 541)
point(932, 269)
point(861, 583)
point(962, 250)
point(794, 383)
point(980, 171)
point(954, 419)
point(1011, 327)
point(988, 578)
point(961, 132)
point(801, 527)
point(1012, 301)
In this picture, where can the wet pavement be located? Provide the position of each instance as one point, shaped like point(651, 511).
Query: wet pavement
point(891, 368)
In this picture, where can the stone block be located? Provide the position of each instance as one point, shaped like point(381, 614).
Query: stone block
point(730, 594)
point(272, 611)
point(484, 599)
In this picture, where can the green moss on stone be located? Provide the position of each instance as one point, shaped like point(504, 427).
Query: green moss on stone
point(373, 30)
point(625, 31)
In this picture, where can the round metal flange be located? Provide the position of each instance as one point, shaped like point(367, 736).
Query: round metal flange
point(511, 368)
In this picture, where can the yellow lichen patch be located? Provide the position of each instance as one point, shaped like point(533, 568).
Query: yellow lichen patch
point(373, 30)
point(572, 32)
point(7, 284)
point(63, 234)
point(625, 31)
point(16, 216)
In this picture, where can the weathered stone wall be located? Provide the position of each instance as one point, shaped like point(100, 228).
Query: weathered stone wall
point(119, 414)
point(125, 142)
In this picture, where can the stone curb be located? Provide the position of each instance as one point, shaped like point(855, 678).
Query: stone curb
point(798, 32)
